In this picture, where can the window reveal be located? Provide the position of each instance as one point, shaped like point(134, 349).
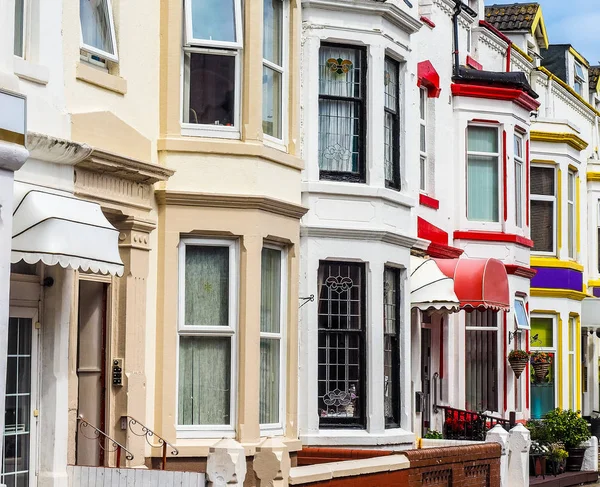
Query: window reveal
point(341, 337)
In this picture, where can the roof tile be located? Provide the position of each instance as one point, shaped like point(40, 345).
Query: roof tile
point(514, 16)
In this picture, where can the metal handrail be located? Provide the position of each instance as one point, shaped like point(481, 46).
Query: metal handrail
point(101, 436)
point(128, 422)
point(469, 425)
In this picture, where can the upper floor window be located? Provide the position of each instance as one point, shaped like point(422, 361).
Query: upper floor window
point(273, 68)
point(391, 124)
point(543, 209)
point(423, 139)
point(520, 191)
point(578, 78)
point(211, 72)
point(342, 116)
point(571, 216)
point(98, 37)
point(20, 26)
point(483, 174)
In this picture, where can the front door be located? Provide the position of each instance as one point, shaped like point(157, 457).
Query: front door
point(20, 417)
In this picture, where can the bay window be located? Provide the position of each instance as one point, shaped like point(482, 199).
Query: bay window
point(211, 79)
point(391, 350)
point(272, 328)
point(423, 139)
point(98, 37)
point(543, 209)
point(342, 116)
point(391, 123)
point(483, 191)
point(571, 222)
point(341, 344)
point(273, 67)
point(520, 191)
point(207, 324)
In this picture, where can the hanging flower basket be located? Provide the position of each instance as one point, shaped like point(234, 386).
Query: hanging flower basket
point(518, 361)
point(541, 362)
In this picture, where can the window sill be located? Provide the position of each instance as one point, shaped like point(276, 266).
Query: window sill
point(334, 437)
point(36, 73)
point(212, 131)
point(359, 190)
point(99, 78)
point(274, 143)
point(197, 434)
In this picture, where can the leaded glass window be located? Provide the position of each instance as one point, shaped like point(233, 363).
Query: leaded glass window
point(391, 350)
point(391, 125)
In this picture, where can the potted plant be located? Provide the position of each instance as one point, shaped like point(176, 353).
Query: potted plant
point(557, 457)
point(541, 361)
point(568, 427)
point(518, 361)
point(539, 450)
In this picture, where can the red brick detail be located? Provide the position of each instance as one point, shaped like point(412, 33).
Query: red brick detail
point(473, 64)
point(428, 21)
point(425, 200)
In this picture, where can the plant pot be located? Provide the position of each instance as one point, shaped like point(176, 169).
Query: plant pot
point(575, 459)
point(555, 467)
point(537, 465)
point(518, 365)
point(541, 371)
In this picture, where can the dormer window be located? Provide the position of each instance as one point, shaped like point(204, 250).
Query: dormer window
point(579, 78)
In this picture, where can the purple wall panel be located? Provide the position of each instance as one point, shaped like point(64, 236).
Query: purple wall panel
point(557, 278)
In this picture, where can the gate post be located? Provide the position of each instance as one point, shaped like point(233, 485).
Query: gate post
point(499, 435)
point(272, 463)
point(226, 464)
point(518, 456)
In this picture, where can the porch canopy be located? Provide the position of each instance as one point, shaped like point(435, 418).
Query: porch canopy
point(590, 313)
point(430, 289)
point(478, 283)
point(58, 228)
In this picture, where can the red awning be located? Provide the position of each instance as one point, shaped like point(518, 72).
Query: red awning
point(478, 283)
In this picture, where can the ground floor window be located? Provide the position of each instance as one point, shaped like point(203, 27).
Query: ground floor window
point(481, 361)
point(341, 344)
point(391, 346)
point(543, 383)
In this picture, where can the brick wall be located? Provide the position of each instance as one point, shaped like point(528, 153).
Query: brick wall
point(464, 466)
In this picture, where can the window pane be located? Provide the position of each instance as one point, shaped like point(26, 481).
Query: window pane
point(482, 139)
point(340, 72)
point(519, 193)
point(389, 146)
point(95, 25)
point(422, 103)
point(272, 101)
point(571, 187)
point(269, 380)
point(518, 147)
point(211, 89)
point(542, 180)
point(579, 71)
point(272, 35)
point(422, 139)
point(423, 175)
point(214, 20)
point(521, 315)
point(542, 332)
point(206, 286)
point(391, 84)
point(391, 351)
point(543, 393)
point(270, 308)
point(542, 225)
point(19, 26)
point(482, 182)
point(339, 136)
point(571, 229)
point(204, 380)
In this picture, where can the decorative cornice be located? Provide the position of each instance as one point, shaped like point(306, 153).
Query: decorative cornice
point(554, 262)
point(493, 237)
point(593, 176)
point(388, 11)
point(58, 151)
point(358, 234)
point(447, 7)
point(568, 138)
point(521, 271)
point(488, 39)
point(495, 93)
point(232, 201)
point(538, 292)
point(440, 251)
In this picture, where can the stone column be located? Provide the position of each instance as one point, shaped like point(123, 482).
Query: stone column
point(499, 435)
point(518, 457)
point(272, 463)
point(129, 333)
point(226, 464)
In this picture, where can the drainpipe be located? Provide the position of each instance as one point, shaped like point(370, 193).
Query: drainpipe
point(457, 9)
point(508, 57)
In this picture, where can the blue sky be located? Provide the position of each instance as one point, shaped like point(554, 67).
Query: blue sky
point(575, 22)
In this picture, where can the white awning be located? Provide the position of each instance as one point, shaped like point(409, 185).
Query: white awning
point(58, 228)
point(430, 288)
point(590, 313)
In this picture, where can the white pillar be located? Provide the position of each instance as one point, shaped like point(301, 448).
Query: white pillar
point(12, 157)
point(590, 459)
point(226, 464)
point(499, 435)
point(518, 457)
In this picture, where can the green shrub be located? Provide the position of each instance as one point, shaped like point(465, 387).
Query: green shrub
point(566, 426)
point(433, 435)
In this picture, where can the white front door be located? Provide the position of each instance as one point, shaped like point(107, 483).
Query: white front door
point(20, 441)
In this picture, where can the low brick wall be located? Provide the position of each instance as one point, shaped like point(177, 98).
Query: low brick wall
point(461, 466)
point(316, 455)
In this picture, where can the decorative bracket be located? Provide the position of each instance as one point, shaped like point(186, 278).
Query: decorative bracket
point(512, 335)
point(309, 299)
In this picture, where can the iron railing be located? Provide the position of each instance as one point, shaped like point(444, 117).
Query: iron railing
point(129, 422)
point(469, 425)
point(105, 442)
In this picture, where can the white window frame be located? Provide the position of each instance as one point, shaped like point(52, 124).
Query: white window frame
point(519, 139)
point(498, 156)
point(231, 331)
point(281, 143)
point(273, 429)
point(25, 32)
point(572, 331)
point(571, 214)
point(553, 349)
point(578, 80)
point(521, 326)
point(423, 159)
point(189, 31)
point(99, 52)
point(554, 200)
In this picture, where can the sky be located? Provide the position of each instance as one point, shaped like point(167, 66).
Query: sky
point(575, 22)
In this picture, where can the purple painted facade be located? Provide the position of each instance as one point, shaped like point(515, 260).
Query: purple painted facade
point(596, 291)
point(558, 278)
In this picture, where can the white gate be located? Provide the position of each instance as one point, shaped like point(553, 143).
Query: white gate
point(131, 477)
